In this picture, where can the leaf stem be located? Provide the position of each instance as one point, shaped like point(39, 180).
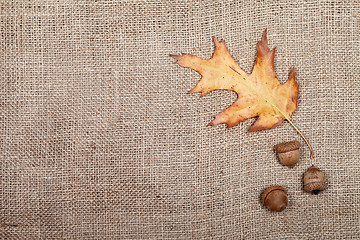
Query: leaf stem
point(277, 108)
point(307, 142)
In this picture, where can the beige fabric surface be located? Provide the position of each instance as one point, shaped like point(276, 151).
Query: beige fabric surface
point(99, 139)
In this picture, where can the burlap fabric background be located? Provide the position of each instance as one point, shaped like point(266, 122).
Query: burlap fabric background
point(99, 139)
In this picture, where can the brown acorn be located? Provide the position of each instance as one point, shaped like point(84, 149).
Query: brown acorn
point(314, 180)
point(275, 198)
point(288, 153)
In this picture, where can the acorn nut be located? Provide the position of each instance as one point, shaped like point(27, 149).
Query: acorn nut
point(288, 153)
point(275, 198)
point(314, 180)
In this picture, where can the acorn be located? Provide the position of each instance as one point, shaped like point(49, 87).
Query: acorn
point(314, 180)
point(288, 153)
point(275, 198)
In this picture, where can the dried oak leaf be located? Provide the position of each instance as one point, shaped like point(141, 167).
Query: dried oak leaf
point(259, 93)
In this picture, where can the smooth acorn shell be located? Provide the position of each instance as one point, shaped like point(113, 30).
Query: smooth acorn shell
point(289, 158)
point(314, 180)
point(275, 198)
point(288, 153)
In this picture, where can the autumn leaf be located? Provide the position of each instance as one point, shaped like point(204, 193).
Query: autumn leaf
point(260, 94)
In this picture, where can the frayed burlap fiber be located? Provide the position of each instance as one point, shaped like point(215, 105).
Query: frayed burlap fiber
point(99, 140)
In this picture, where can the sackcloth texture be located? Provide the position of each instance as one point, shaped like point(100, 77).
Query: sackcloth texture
point(99, 139)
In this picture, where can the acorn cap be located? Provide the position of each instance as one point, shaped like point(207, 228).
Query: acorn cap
point(287, 146)
point(268, 190)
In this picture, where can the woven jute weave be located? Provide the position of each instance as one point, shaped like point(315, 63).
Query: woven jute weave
point(99, 140)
